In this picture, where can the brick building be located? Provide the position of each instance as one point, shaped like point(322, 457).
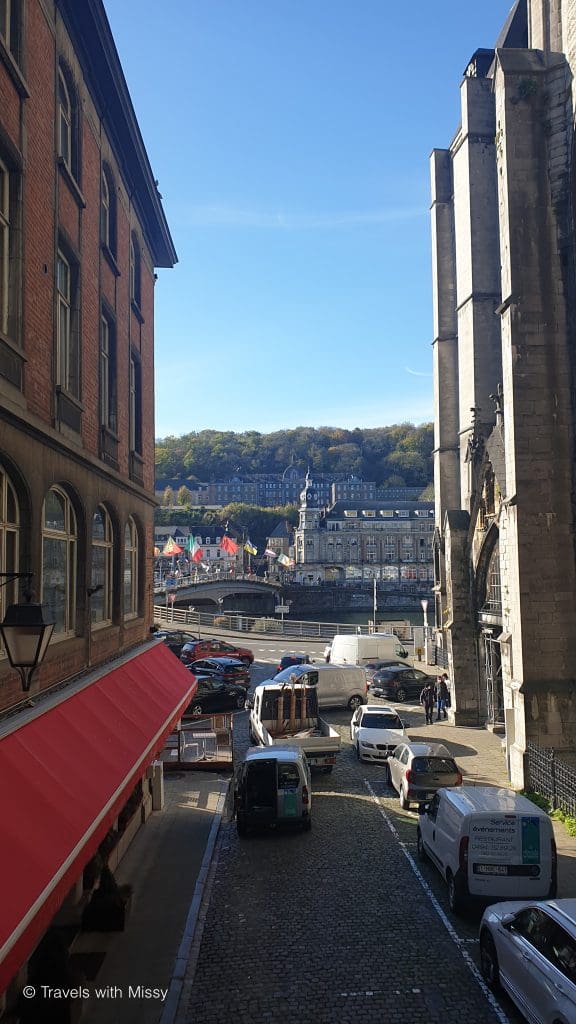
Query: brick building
point(81, 232)
point(504, 324)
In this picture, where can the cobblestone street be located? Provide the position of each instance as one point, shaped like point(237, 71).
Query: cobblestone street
point(338, 924)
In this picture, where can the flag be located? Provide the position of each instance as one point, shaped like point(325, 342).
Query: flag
point(228, 545)
point(269, 553)
point(284, 560)
point(171, 547)
point(196, 552)
point(249, 547)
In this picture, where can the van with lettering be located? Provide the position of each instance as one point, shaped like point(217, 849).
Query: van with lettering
point(488, 844)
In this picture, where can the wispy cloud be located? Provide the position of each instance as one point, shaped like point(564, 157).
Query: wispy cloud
point(416, 373)
point(238, 217)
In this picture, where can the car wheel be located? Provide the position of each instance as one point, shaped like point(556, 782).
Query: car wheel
point(489, 961)
point(389, 776)
point(307, 825)
point(404, 803)
point(241, 827)
point(401, 695)
point(422, 855)
point(355, 702)
point(455, 898)
point(240, 701)
point(197, 710)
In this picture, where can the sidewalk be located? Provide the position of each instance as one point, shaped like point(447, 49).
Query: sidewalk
point(164, 864)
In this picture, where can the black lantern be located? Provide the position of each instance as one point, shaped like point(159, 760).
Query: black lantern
point(26, 637)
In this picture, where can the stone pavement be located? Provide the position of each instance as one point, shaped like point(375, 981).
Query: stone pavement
point(169, 864)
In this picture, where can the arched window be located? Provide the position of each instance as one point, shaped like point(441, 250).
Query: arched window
point(130, 569)
point(59, 555)
point(102, 567)
point(135, 271)
point(108, 212)
point(9, 539)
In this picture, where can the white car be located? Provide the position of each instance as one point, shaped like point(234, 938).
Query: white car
point(375, 731)
point(529, 948)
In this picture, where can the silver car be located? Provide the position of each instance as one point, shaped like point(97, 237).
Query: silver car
point(529, 948)
point(417, 770)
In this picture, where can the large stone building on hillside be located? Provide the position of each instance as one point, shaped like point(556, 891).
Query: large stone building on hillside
point(503, 214)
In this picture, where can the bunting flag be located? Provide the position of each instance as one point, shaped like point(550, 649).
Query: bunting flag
point(249, 547)
point(269, 553)
point(284, 560)
point(228, 545)
point(196, 552)
point(171, 548)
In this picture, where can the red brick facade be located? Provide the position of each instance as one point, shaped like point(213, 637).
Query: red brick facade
point(51, 435)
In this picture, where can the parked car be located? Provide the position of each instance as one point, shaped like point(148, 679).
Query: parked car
point(529, 948)
point(293, 659)
point(174, 638)
point(375, 732)
point(400, 683)
point(371, 667)
point(417, 770)
point(210, 647)
point(228, 669)
point(214, 695)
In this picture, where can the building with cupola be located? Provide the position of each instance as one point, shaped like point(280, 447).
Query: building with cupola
point(390, 541)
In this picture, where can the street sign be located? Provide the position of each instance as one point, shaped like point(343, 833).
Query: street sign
point(282, 609)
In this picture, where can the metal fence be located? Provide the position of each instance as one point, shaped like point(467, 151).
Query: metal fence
point(237, 622)
point(553, 778)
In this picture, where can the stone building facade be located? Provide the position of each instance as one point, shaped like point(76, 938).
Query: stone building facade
point(504, 348)
point(82, 230)
point(350, 540)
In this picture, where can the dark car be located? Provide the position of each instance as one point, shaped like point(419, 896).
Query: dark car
point(230, 670)
point(371, 667)
point(214, 695)
point(400, 684)
point(175, 638)
point(209, 647)
point(292, 659)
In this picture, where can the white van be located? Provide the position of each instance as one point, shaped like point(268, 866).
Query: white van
point(339, 686)
point(357, 650)
point(490, 844)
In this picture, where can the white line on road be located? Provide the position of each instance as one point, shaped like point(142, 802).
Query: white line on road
point(458, 942)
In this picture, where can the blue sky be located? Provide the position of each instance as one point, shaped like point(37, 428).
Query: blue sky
point(291, 140)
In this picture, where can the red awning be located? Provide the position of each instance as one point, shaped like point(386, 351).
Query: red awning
point(64, 776)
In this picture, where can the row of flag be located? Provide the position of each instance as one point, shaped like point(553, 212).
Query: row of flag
point(227, 544)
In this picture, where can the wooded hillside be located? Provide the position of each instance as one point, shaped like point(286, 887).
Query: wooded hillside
point(399, 455)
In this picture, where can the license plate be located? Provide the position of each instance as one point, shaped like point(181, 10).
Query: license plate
point(492, 869)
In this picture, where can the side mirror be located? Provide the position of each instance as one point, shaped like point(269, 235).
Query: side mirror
point(406, 725)
point(423, 808)
point(249, 703)
point(508, 920)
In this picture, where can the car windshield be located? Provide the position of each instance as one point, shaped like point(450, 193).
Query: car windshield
point(381, 722)
point(434, 765)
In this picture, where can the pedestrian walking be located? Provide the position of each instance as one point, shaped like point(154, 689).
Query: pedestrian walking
point(442, 696)
point(428, 701)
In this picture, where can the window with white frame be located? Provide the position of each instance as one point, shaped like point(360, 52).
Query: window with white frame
point(130, 569)
point(135, 425)
point(64, 121)
point(4, 246)
point(135, 271)
point(102, 567)
point(108, 212)
point(108, 398)
point(59, 555)
point(9, 539)
point(67, 355)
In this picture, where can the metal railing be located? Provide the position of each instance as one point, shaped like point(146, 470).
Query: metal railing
point(236, 622)
point(553, 778)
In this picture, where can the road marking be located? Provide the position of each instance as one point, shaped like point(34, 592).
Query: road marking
point(458, 942)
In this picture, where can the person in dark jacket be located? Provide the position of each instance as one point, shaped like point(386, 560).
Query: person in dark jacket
point(441, 698)
point(428, 701)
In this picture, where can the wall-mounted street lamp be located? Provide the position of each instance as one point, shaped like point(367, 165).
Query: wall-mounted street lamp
point(24, 633)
